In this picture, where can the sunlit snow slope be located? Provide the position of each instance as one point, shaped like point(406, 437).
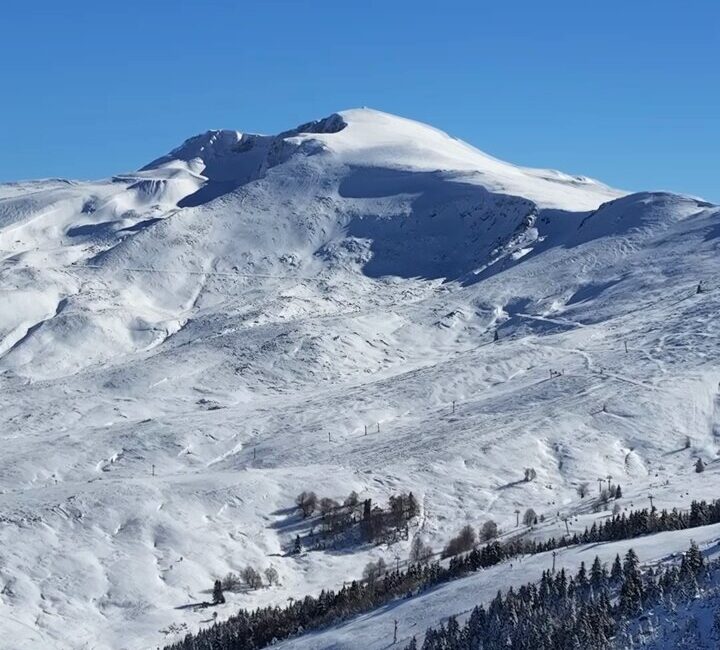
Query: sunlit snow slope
point(185, 348)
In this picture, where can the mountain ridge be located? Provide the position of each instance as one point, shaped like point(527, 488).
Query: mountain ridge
point(370, 137)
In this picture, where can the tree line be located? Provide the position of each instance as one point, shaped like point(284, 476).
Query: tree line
point(590, 610)
point(251, 630)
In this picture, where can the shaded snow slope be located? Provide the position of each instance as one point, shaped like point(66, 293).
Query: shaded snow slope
point(235, 313)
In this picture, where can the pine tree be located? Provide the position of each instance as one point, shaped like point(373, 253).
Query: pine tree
point(616, 572)
point(630, 602)
point(631, 565)
point(631, 592)
point(218, 597)
point(598, 574)
point(530, 517)
point(694, 558)
point(367, 508)
point(581, 578)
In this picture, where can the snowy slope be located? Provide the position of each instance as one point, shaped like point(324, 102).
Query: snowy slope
point(235, 313)
point(374, 631)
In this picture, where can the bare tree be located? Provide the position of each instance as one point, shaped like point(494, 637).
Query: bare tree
point(462, 542)
point(420, 552)
point(232, 582)
point(328, 505)
point(251, 577)
point(271, 575)
point(604, 496)
point(307, 502)
point(489, 530)
point(373, 570)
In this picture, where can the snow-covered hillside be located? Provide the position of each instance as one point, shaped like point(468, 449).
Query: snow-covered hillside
point(375, 630)
point(185, 348)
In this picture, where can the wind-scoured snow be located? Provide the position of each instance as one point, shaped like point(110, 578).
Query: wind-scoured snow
point(185, 348)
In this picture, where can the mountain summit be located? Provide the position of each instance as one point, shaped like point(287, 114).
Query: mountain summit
point(372, 139)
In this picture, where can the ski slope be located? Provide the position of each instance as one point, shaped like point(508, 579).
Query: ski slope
point(186, 347)
point(375, 630)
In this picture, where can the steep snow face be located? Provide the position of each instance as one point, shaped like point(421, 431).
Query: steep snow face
point(186, 347)
point(218, 156)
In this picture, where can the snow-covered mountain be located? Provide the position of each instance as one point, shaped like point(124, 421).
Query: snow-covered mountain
point(186, 347)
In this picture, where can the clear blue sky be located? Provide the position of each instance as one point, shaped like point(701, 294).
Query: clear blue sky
point(628, 92)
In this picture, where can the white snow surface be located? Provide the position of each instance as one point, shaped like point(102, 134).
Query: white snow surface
point(234, 314)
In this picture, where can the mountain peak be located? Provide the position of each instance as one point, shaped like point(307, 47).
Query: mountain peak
point(366, 137)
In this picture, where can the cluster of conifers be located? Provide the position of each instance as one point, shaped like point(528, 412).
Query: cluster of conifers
point(590, 610)
point(250, 630)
